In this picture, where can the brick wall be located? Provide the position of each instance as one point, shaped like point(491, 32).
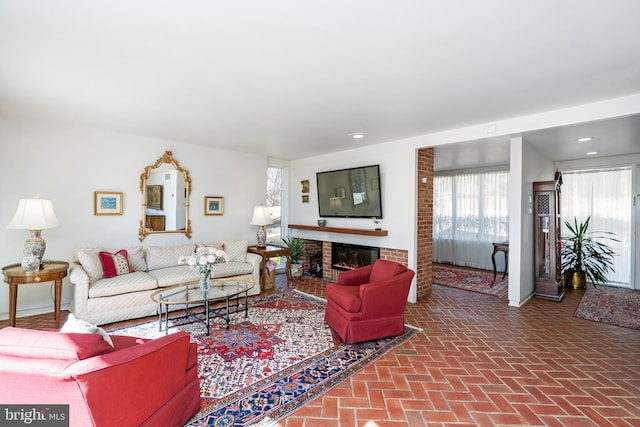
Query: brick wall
point(424, 264)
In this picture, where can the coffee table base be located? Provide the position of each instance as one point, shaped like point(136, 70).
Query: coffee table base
point(211, 310)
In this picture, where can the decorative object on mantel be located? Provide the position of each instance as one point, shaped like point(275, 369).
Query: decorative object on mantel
point(213, 205)
point(322, 222)
point(107, 203)
point(34, 215)
point(203, 260)
point(261, 217)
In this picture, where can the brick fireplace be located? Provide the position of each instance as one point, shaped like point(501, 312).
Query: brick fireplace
point(349, 257)
point(322, 250)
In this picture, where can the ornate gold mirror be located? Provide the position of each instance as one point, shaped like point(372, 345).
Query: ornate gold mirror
point(165, 188)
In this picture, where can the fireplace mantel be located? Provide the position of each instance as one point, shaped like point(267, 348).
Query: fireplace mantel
point(359, 231)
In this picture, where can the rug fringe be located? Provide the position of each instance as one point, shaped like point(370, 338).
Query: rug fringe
point(414, 327)
point(310, 296)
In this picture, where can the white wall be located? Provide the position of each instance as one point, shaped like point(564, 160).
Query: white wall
point(527, 167)
point(397, 176)
point(67, 164)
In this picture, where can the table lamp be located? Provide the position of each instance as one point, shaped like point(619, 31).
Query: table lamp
point(335, 204)
point(34, 215)
point(261, 218)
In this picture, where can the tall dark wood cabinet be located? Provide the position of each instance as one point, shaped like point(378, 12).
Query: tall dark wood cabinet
point(546, 216)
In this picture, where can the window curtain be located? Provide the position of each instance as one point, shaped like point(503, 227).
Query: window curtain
point(606, 196)
point(470, 212)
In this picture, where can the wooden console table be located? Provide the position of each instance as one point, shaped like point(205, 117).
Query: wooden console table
point(53, 271)
point(500, 247)
point(267, 252)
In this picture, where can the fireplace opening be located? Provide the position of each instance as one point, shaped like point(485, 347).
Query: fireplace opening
point(348, 257)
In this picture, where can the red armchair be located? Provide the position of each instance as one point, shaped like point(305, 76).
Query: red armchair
point(368, 303)
point(136, 382)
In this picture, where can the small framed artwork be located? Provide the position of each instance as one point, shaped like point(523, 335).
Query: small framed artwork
point(107, 203)
point(154, 196)
point(305, 198)
point(213, 205)
point(305, 186)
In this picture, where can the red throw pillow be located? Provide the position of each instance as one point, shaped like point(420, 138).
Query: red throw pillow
point(115, 264)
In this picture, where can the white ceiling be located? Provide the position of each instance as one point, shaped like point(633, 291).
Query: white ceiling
point(293, 78)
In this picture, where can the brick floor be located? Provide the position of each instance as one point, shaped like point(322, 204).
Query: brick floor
point(480, 362)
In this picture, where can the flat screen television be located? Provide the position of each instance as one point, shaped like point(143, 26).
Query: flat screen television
point(350, 193)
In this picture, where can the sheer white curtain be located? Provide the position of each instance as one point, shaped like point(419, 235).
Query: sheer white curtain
point(470, 212)
point(606, 196)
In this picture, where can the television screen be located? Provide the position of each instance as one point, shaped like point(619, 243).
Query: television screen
point(350, 193)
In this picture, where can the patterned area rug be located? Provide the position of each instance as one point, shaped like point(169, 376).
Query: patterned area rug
point(470, 279)
point(614, 306)
point(269, 364)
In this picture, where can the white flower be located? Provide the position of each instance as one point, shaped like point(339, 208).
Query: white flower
point(204, 258)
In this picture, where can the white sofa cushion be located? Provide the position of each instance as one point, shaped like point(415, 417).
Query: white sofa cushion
point(236, 249)
point(90, 261)
point(166, 256)
point(177, 275)
point(231, 268)
point(132, 282)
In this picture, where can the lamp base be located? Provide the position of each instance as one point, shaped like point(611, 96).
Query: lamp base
point(33, 251)
point(261, 236)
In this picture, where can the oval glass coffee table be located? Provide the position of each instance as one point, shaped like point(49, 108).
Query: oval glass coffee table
point(221, 301)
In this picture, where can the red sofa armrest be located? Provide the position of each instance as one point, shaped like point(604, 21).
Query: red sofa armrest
point(135, 381)
point(355, 277)
point(386, 297)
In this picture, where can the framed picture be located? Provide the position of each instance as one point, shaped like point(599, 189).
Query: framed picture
point(107, 203)
point(213, 205)
point(305, 198)
point(154, 196)
point(305, 186)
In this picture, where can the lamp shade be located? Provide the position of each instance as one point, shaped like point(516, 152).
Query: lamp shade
point(34, 214)
point(261, 216)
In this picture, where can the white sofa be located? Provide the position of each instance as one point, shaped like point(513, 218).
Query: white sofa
point(102, 300)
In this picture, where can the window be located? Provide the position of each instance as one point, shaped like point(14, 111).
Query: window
point(605, 195)
point(274, 203)
point(470, 212)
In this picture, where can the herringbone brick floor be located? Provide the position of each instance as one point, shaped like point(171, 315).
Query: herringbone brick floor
point(480, 362)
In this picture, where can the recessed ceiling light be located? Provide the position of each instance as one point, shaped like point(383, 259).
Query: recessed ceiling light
point(585, 139)
point(357, 135)
point(591, 153)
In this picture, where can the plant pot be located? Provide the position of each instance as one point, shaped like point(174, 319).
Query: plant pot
point(575, 279)
point(296, 270)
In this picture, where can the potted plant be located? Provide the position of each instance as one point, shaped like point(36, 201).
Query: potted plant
point(296, 245)
point(584, 255)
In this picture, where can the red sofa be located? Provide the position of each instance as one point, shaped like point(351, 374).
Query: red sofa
point(368, 303)
point(137, 382)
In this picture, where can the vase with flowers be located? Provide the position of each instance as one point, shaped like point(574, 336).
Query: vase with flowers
point(203, 260)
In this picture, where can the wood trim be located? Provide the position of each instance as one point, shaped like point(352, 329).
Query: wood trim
point(359, 231)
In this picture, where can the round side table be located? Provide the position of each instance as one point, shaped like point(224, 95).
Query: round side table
point(14, 275)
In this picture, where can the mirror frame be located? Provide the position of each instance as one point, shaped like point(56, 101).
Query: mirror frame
point(167, 157)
